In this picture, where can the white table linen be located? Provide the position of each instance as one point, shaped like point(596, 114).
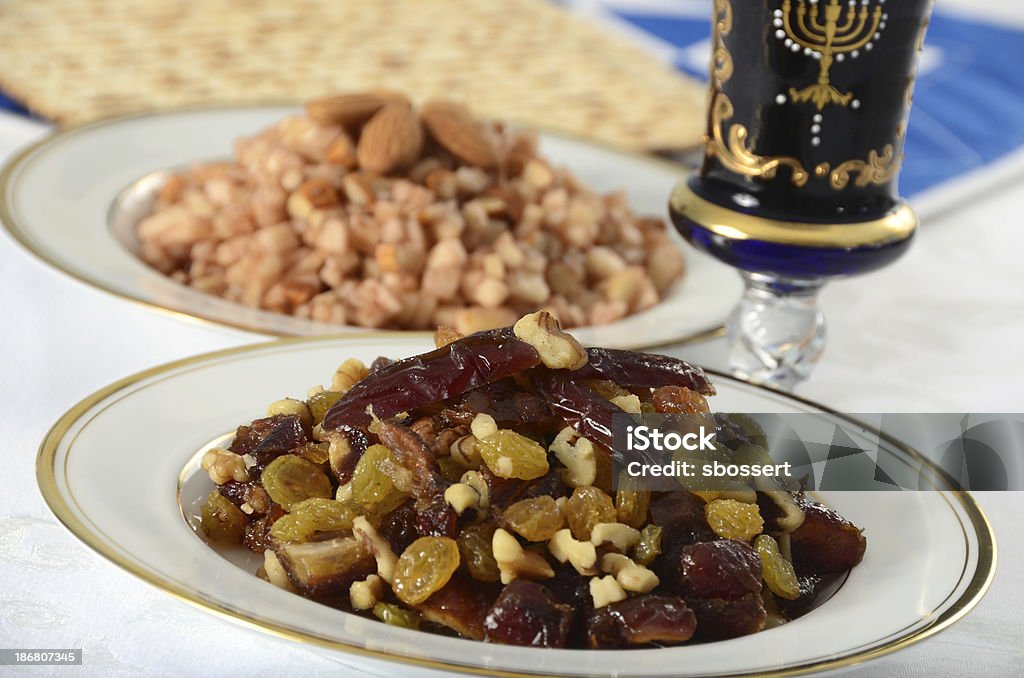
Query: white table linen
point(940, 331)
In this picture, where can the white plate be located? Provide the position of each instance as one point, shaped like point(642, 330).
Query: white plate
point(112, 471)
point(57, 196)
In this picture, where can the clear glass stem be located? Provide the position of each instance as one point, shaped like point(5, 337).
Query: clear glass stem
point(776, 332)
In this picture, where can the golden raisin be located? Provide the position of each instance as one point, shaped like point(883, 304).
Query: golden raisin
point(371, 486)
point(733, 519)
point(290, 479)
point(320, 402)
point(587, 507)
point(511, 455)
point(605, 469)
point(535, 519)
point(396, 616)
point(778, 572)
point(311, 516)
point(606, 389)
point(450, 468)
point(475, 550)
point(676, 399)
point(424, 568)
point(632, 506)
point(221, 520)
point(649, 546)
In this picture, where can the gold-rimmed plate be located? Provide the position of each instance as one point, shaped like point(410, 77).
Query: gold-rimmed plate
point(119, 470)
point(72, 200)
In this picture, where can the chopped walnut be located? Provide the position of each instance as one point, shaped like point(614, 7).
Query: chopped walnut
point(378, 545)
point(580, 554)
point(366, 593)
point(514, 562)
point(606, 590)
point(347, 374)
point(578, 458)
point(557, 349)
point(629, 575)
point(621, 537)
point(224, 465)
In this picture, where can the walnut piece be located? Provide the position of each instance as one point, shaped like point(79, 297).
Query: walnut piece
point(378, 545)
point(582, 555)
point(557, 349)
point(578, 458)
point(224, 465)
point(514, 562)
point(606, 590)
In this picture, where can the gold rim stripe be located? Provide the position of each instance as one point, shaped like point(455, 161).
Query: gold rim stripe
point(895, 226)
point(46, 476)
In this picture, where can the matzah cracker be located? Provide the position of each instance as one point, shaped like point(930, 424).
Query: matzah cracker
point(528, 61)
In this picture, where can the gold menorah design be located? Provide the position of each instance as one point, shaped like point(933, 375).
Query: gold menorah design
point(819, 32)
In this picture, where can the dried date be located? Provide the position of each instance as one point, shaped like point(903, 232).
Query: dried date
point(526, 613)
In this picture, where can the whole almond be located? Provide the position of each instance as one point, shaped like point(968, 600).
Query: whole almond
point(347, 110)
point(391, 140)
point(462, 135)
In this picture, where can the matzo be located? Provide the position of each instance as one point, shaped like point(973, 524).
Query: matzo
point(74, 61)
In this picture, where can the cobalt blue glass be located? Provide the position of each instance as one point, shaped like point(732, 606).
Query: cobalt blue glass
point(807, 117)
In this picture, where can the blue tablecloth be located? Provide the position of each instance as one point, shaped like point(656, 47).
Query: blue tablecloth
point(968, 105)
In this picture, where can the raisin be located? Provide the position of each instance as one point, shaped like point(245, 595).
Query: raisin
point(221, 520)
point(535, 519)
point(649, 546)
point(424, 568)
point(778, 573)
point(733, 519)
point(511, 455)
point(399, 527)
point(642, 620)
point(436, 518)
point(320, 402)
point(679, 399)
point(371, 486)
point(475, 549)
point(290, 479)
point(719, 569)
point(450, 469)
point(311, 516)
point(313, 452)
point(526, 613)
point(632, 506)
point(587, 507)
point(396, 616)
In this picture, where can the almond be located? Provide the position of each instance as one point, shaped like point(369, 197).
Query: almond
point(341, 152)
point(454, 127)
point(391, 140)
point(347, 110)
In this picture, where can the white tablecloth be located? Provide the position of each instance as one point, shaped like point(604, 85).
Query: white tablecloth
point(941, 331)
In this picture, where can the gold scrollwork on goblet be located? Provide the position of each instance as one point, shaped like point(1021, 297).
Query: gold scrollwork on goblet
point(733, 153)
point(877, 169)
point(731, 148)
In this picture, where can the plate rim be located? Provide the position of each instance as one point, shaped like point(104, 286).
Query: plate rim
point(46, 478)
point(18, 230)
